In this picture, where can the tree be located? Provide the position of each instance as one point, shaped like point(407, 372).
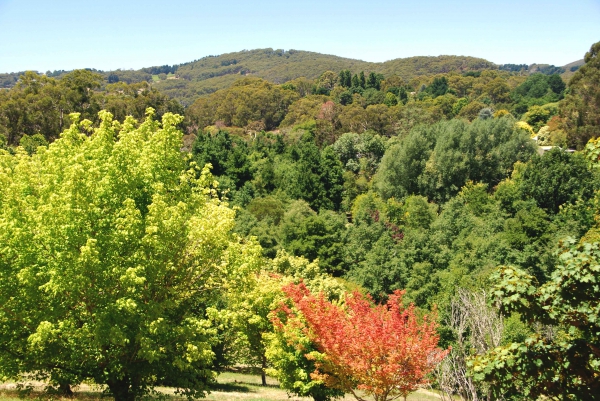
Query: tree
point(111, 251)
point(361, 80)
point(287, 344)
point(477, 328)
point(565, 363)
point(247, 320)
point(327, 80)
point(581, 107)
point(556, 178)
point(383, 350)
point(438, 160)
point(438, 87)
point(345, 78)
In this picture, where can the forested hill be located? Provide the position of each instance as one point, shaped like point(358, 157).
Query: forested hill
point(210, 74)
point(188, 81)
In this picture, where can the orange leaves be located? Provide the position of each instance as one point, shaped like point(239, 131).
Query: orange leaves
point(383, 350)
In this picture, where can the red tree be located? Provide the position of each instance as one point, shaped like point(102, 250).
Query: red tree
point(383, 350)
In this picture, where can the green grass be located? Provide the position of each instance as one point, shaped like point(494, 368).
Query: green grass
point(155, 78)
point(231, 386)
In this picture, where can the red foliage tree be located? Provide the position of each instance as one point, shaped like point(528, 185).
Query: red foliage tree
point(383, 350)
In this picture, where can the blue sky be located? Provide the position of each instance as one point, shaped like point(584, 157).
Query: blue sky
point(68, 34)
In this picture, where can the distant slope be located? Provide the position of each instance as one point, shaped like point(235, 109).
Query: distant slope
point(186, 82)
point(570, 69)
point(211, 73)
point(408, 68)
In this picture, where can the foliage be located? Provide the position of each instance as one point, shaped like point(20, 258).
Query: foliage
point(437, 161)
point(562, 366)
point(245, 320)
point(287, 345)
point(248, 100)
point(227, 155)
point(40, 105)
point(556, 178)
point(385, 350)
point(581, 107)
point(124, 247)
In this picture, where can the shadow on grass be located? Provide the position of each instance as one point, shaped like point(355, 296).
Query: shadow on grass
point(240, 387)
point(231, 387)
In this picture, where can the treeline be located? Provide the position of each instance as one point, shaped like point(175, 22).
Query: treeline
point(358, 102)
point(395, 213)
point(39, 106)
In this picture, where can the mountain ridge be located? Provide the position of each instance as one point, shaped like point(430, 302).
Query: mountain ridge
point(188, 81)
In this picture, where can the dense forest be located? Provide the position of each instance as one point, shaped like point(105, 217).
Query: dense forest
point(466, 190)
point(185, 82)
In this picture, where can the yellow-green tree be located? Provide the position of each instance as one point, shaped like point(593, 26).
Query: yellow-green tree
point(111, 250)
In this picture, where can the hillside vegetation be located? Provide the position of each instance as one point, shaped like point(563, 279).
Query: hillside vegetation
point(278, 66)
point(188, 81)
point(168, 244)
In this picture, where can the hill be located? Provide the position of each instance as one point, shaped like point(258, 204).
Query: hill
point(188, 81)
point(212, 73)
point(570, 69)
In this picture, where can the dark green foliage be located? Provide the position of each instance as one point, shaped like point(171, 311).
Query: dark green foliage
point(563, 366)
point(437, 161)
point(374, 80)
point(557, 85)
point(438, 87)
point(332, 177)
point(361, 80)
point(345, 98)
point(226, 154)
point(345, 78)
point(539, 89)
point(528, 234)
point(581, 108)
point(556, 178)
point(314, 236)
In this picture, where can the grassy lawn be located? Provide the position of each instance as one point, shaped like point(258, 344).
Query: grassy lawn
point(230, 386)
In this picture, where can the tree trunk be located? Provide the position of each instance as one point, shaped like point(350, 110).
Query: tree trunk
point(121, 389)
point(64, 389)
point(263, 374)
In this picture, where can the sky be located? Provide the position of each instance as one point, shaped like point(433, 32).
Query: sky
point(108, 34)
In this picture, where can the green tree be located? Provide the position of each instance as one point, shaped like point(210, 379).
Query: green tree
point(438, 87)
point(124, 248)
point(362, 80)
point(314, 236)
point(31, 143)
point(345, 78)
point(556, 178)
point(563, 366)
point(437, 161)
point(228, 156)
point(581, 107)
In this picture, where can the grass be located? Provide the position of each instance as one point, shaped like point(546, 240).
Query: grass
point(231, 386)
